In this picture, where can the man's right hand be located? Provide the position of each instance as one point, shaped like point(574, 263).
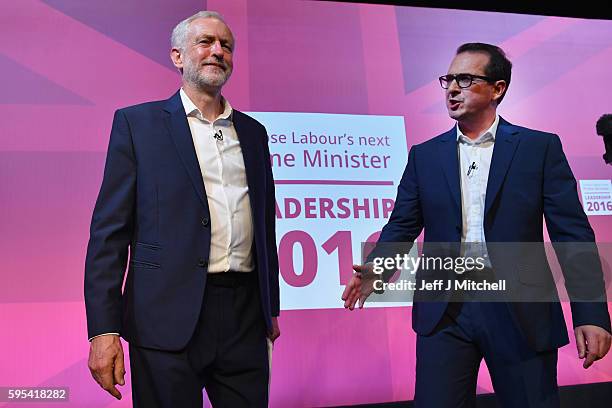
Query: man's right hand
point(106, 363)
point(360, 286)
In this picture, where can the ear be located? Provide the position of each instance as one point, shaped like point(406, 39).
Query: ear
point(176, 56)
point(499, 87)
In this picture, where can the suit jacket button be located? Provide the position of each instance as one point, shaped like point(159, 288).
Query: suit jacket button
point(458, 228)
point(201, 262)
point(205, 221)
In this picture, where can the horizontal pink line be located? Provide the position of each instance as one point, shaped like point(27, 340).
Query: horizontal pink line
point(338, 182)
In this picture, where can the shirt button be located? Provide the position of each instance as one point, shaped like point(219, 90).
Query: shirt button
point(205, 221)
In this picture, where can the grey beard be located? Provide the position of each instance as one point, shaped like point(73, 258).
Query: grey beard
point(206, 81)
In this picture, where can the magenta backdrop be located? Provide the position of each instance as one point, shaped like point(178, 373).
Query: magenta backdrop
point(66, 65)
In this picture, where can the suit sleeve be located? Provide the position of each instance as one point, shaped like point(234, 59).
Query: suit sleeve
point(110, 233)
point(573, 240)
point(406, 220)
point(271, 233)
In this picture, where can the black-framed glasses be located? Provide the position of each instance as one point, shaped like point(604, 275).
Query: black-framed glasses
point(463, 80)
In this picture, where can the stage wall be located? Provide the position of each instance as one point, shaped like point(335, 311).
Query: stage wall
point(305, 69)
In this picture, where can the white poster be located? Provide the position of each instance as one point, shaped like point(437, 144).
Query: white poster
point(336, 182)
point(596, 196)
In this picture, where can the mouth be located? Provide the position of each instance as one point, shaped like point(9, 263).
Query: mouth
point(212, 64)
point(454, 104)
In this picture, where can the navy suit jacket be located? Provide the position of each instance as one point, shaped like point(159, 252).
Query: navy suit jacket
point(153, 202)
point(529, 180)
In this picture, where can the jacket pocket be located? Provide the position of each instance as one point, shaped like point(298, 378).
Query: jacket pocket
point(144, 264)
point(145, 255)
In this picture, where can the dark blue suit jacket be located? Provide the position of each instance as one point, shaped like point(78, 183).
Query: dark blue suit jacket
point(153, 202)
point(529, 180)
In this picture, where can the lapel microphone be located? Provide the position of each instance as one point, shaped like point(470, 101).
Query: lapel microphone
point(472, 169)
point(218, 136)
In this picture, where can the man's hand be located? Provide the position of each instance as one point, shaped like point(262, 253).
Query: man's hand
point(360, 286)
point(592, 343)
point(275, 332)
point(106, 363)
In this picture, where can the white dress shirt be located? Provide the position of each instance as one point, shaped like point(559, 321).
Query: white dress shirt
point(227, 192)
point(474, 163)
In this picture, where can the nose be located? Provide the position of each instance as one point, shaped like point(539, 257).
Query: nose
point(453, 88)
point(217, 50)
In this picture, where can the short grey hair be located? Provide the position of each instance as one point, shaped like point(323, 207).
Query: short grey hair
point(179, 33)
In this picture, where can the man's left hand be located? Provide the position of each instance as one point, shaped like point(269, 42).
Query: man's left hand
point(592, 343)
point(275, 332)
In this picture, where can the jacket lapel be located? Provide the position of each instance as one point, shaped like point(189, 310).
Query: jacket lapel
point(181, 136)
point(505, 146)
point(450, 164)
point(251, 155)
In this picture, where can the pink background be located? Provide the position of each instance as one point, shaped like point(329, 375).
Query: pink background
point(66, 65)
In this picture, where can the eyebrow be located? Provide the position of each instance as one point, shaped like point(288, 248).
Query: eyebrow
point(464, 73)
point(228, 41)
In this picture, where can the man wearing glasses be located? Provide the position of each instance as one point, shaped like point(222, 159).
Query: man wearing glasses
point(487, 180)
